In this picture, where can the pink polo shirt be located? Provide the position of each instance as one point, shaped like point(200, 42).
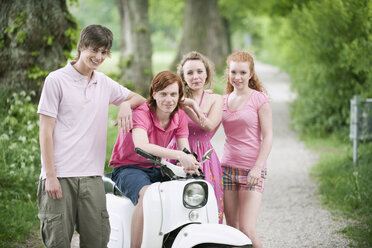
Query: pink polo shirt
point(81, 112)
point(243, 132)
point(123, 152)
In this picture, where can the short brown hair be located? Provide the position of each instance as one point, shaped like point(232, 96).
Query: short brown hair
point(95, 36)
point(162, 80)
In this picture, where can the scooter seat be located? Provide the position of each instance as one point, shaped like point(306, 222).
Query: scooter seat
point(110, 187)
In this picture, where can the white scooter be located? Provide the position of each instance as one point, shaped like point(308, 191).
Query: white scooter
point(180, 213)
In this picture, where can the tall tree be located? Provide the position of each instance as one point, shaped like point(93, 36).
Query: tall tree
point(136, 48)
point(205, 31)
point(36, 37)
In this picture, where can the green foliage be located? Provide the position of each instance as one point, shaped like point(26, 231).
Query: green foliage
point(322, 44)
point(48, 39)
point(35, 72)
point(161, 60)
point(35, 53)
point(112, 134)
point(126, 61)
point(73, 3)
point(324, 47)
point(219, 85)
point(20, 225)
point(146, 72)
point(86, 11)
point(20, 19)
point(141, 29)
point(16, 28)
point(21, 36)
point(166, 23)
point(73, 35)
point(345, 187)
point(165, 19)
point(19, 167)
point(18, 22)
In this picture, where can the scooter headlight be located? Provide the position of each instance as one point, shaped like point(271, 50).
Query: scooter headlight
point(195, 195)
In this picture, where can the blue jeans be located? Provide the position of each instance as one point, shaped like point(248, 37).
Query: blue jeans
point(130, 179)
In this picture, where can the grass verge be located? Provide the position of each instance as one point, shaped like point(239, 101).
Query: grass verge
point(345, 187)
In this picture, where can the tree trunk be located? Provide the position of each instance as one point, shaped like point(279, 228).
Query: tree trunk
point(205, 31)
point(136, 48)
point(36, 37)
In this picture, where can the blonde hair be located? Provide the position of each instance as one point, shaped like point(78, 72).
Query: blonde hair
point(209, 67)
point(242, 56)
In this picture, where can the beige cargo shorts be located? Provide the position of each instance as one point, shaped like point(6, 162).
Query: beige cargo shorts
point(83, 206)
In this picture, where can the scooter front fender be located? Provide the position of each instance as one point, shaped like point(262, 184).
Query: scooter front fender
point(195, 234)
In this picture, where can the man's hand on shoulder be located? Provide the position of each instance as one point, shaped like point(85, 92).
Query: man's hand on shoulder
point(124, 118)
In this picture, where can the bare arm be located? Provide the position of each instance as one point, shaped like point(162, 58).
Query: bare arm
point(124, 118)
point(265, 117)
point(193, 110)
point(134, 100)
point(140, 139)
point(183, 143)
point(52, 186)
point(214, 115)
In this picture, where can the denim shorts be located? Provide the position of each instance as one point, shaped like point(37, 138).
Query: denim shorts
point(236, 179)
point(130, 179)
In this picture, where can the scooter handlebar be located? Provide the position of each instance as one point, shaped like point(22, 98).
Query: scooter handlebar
point(177, 170)
point(146, 155)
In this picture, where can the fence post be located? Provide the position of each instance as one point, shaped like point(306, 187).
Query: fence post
point(354, 126)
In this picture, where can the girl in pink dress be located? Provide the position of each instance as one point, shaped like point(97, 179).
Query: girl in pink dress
point(196, 72)
point(247, 123)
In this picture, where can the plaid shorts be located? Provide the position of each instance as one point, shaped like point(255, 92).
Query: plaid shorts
point(236, 179)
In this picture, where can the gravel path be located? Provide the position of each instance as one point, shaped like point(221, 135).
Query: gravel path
point(291, 215)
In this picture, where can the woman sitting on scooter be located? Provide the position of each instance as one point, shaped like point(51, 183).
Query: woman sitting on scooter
point(155, 123)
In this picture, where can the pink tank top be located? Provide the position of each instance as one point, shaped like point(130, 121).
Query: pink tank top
point(243, 132)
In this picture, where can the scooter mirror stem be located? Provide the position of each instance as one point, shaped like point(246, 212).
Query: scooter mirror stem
point(206, 156)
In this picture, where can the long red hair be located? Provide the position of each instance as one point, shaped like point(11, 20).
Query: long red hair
point(242, 56)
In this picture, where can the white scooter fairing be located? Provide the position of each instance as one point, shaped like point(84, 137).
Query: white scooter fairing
point(171, 219)
point(210, 235)
point(120, 211)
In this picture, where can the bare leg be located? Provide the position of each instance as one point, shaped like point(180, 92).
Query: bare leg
point(231, 207)
point(249, 204)
point(137, 221)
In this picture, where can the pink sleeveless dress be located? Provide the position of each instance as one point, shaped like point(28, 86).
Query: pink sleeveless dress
point(200, 142)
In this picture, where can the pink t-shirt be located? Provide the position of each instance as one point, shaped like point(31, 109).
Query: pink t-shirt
point(243, 132)
point(123, 152)
point(81, 112)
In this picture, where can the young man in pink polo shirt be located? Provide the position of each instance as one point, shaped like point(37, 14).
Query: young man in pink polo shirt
point(155, 123)
point(73, 111)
